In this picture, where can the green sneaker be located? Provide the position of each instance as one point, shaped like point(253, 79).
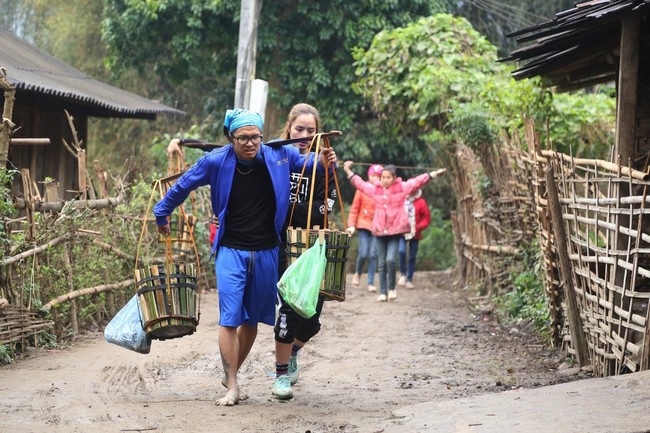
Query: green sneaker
point(282, 387)
point(294, 370)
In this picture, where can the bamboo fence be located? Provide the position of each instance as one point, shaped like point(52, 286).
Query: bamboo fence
point(603, 207)
point(495, 213)
point(589, 217)
point(18, 324)
point(25, 323)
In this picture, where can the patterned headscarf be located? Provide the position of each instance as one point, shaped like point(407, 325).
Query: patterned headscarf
point(239, 118)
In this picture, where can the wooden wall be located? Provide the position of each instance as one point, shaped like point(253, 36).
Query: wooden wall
point(47, 161)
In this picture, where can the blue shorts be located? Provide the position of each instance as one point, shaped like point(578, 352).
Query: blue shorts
point(247, 285)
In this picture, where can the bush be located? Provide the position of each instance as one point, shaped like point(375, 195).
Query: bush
point(526, 300)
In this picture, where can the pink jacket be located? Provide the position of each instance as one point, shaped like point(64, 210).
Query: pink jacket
point(390, 217)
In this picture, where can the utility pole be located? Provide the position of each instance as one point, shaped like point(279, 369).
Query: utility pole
point(246, 52)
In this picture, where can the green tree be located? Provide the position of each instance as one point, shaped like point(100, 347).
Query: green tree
point(420, 76)
point(304, 51)
point(440, 79)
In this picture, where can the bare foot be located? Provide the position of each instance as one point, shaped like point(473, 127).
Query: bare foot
point(230, 399)
point(242, 395)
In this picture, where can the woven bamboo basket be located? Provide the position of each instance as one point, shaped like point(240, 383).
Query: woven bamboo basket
point(337, 246)
point(168, 293)
point(169, 302)
point(337, 242)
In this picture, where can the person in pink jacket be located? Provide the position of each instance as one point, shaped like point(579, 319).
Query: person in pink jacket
point(390, 221)
point(360, 221)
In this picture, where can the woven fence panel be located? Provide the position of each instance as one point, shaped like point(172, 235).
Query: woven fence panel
point(495, 213)
point(606, 217)
point(18, 323)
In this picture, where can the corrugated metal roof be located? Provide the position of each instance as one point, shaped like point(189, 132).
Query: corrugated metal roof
point(36, 72)
point(579, 47)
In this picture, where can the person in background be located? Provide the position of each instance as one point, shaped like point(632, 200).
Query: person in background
point(292, 331)
point(249, 191)
point(360, 221)
point(419, 217)
point(390, 221)
point(175, 150)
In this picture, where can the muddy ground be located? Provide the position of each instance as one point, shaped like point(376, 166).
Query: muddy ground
point(370, 360)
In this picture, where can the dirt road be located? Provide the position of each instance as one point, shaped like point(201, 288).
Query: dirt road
point(370, 360)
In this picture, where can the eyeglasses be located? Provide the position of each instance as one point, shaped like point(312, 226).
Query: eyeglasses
point(243, 139)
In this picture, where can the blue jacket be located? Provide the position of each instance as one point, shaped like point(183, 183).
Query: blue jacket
point(217, 169)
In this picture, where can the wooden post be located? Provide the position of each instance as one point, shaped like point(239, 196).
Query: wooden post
point(29, 204)
point(628, 78)
point(110, 297)
point(81, 170)
point(68, 276)
point(6, 125)
point(101, 178)
point(461, 265)
point(578, 340)
point(52, 191)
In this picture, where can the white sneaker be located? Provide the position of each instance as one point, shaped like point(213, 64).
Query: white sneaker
point(409, 285)
point(282, 387)
point(392, 294)
point(294, 370)
point(381, 298)
point(402, 280)
point(355, 280)
point(371, 288)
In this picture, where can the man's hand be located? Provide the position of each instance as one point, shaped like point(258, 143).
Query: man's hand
point(164, 230)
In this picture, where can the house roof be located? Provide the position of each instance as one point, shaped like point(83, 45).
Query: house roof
point(579, 47)
point(40, 77)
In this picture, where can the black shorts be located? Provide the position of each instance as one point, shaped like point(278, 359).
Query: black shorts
point(290, 325)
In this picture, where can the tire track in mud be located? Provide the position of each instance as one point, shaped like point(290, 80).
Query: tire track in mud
point(45, 405)
point(128, 380)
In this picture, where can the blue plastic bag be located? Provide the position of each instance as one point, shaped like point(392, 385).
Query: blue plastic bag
point(125, 329)
point(301, 282)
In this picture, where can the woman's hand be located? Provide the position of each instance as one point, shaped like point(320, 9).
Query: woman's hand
point(438, 172)
point(346, 168)
point(327, 156)
point(351, 230)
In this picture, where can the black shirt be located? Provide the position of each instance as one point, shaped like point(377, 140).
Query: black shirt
point(249, 223)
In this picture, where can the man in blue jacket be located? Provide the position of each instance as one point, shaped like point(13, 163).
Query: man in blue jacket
point(249, 192)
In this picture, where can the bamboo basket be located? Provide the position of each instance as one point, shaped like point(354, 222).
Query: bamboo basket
point(337, 242)
point(182, 234)
point(169, 302)
point(337, 246)
point(168, 293)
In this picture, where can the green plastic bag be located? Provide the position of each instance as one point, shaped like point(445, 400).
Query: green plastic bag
point(301, 282)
